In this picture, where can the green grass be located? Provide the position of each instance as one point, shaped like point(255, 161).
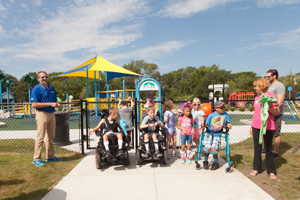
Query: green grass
point(21, 180)
point(287, 165)
point(30, 123)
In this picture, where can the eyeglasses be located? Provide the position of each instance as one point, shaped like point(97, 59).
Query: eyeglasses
point(268, 77)
point(44, 76)
point(222, 107)
point(195, 104)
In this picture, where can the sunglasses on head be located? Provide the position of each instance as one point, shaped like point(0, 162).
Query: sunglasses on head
point(44, 76)
point(196, 104)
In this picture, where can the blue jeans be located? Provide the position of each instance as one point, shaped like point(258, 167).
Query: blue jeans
point(186, 138)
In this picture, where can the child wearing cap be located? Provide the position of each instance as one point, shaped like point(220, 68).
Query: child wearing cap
point(215, 123)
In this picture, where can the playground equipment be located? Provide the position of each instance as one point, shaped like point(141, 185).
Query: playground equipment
point(247, 99)
point(148, 84)
point(218, 88)
point(291, 110)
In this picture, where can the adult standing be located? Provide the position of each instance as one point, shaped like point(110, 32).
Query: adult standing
point(277, 88)
point(44, 99)
point(264, 105)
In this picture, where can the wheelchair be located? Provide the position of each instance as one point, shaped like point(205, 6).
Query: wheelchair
point(100, 157)
point(161, 137)
point(224, 134)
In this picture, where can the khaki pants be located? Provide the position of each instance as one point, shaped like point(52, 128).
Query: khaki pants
point(45, 122)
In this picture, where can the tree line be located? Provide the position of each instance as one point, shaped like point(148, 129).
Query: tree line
point(181, 84)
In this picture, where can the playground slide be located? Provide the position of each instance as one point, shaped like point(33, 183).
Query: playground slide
point(292, 114)
point(295, 109)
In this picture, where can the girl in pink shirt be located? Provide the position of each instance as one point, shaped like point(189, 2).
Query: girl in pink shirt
point(185, 124)
point(261, 86)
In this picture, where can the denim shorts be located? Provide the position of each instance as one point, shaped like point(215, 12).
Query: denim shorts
point(186, 138)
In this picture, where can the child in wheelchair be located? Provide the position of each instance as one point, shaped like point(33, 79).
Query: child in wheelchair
point(150, 126)
point(214, 123)
point(109, 127)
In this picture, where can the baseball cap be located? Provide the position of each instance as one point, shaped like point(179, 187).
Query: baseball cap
point(218, 103)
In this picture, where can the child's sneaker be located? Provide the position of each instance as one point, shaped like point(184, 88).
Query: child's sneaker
point(55, 159)
point(182, 160)
point(173, 154)
point(38, 163)
point(214, 166)
point(158, 154)
point(146, 155)
point(188, 160)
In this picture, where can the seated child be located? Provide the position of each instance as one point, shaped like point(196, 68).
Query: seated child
point(126, 114)
point(150, 124)
point(111, 127)
point(215, 122)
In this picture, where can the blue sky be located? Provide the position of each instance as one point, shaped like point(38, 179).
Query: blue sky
point(237, 35)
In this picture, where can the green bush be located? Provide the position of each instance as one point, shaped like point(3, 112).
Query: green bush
point(242, 109)
point(232, 108)
point(251, 108)
point(225, 108)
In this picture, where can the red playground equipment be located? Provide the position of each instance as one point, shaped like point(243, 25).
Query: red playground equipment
point(241, 99)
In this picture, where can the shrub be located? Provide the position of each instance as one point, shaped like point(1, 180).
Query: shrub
point(232, 108)
point(242, 109)
point(225, 108)
point(251, 108)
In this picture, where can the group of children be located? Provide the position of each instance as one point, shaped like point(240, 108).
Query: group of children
point(190, 123)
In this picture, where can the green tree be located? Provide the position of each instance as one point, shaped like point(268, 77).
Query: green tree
point(242, 82)
point(21, 90)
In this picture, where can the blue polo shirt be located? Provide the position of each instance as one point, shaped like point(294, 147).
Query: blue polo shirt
point(41, 94)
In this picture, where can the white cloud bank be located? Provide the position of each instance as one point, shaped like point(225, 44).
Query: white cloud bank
point(186, 8)
point(287, 40)
point(271, 3)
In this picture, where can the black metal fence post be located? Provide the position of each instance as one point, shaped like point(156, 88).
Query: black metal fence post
point(135, 123)
point(81, 126)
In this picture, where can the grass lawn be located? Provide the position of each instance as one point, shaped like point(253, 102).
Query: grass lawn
point(21, 180)
point(287, 184)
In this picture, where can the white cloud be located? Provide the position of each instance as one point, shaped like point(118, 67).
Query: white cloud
point(287, 40)
point(153, 52)
point(89, 26)
point(37, 2)
point(186, 8)
point(271, 3)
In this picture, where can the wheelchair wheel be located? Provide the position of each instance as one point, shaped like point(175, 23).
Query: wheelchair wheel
point(229, 169)
point(138, 157)
point(99, 165)
point(165, 157)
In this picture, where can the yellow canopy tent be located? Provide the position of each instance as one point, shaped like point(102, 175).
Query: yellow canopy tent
point(97, 64)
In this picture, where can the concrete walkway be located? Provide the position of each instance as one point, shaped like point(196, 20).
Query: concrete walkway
point(153, 181)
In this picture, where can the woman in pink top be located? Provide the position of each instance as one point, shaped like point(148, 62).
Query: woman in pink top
point(261, 86)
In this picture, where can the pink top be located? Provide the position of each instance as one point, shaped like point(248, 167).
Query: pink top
point(187, 124)
point(256, 123)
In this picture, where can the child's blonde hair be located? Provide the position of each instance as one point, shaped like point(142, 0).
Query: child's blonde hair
point(113, 111)
point(196, 100)
point(151, 108)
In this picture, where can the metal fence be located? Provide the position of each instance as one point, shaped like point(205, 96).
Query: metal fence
point(18, 130)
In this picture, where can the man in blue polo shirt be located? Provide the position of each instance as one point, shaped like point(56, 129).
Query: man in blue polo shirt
point(43, 98)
